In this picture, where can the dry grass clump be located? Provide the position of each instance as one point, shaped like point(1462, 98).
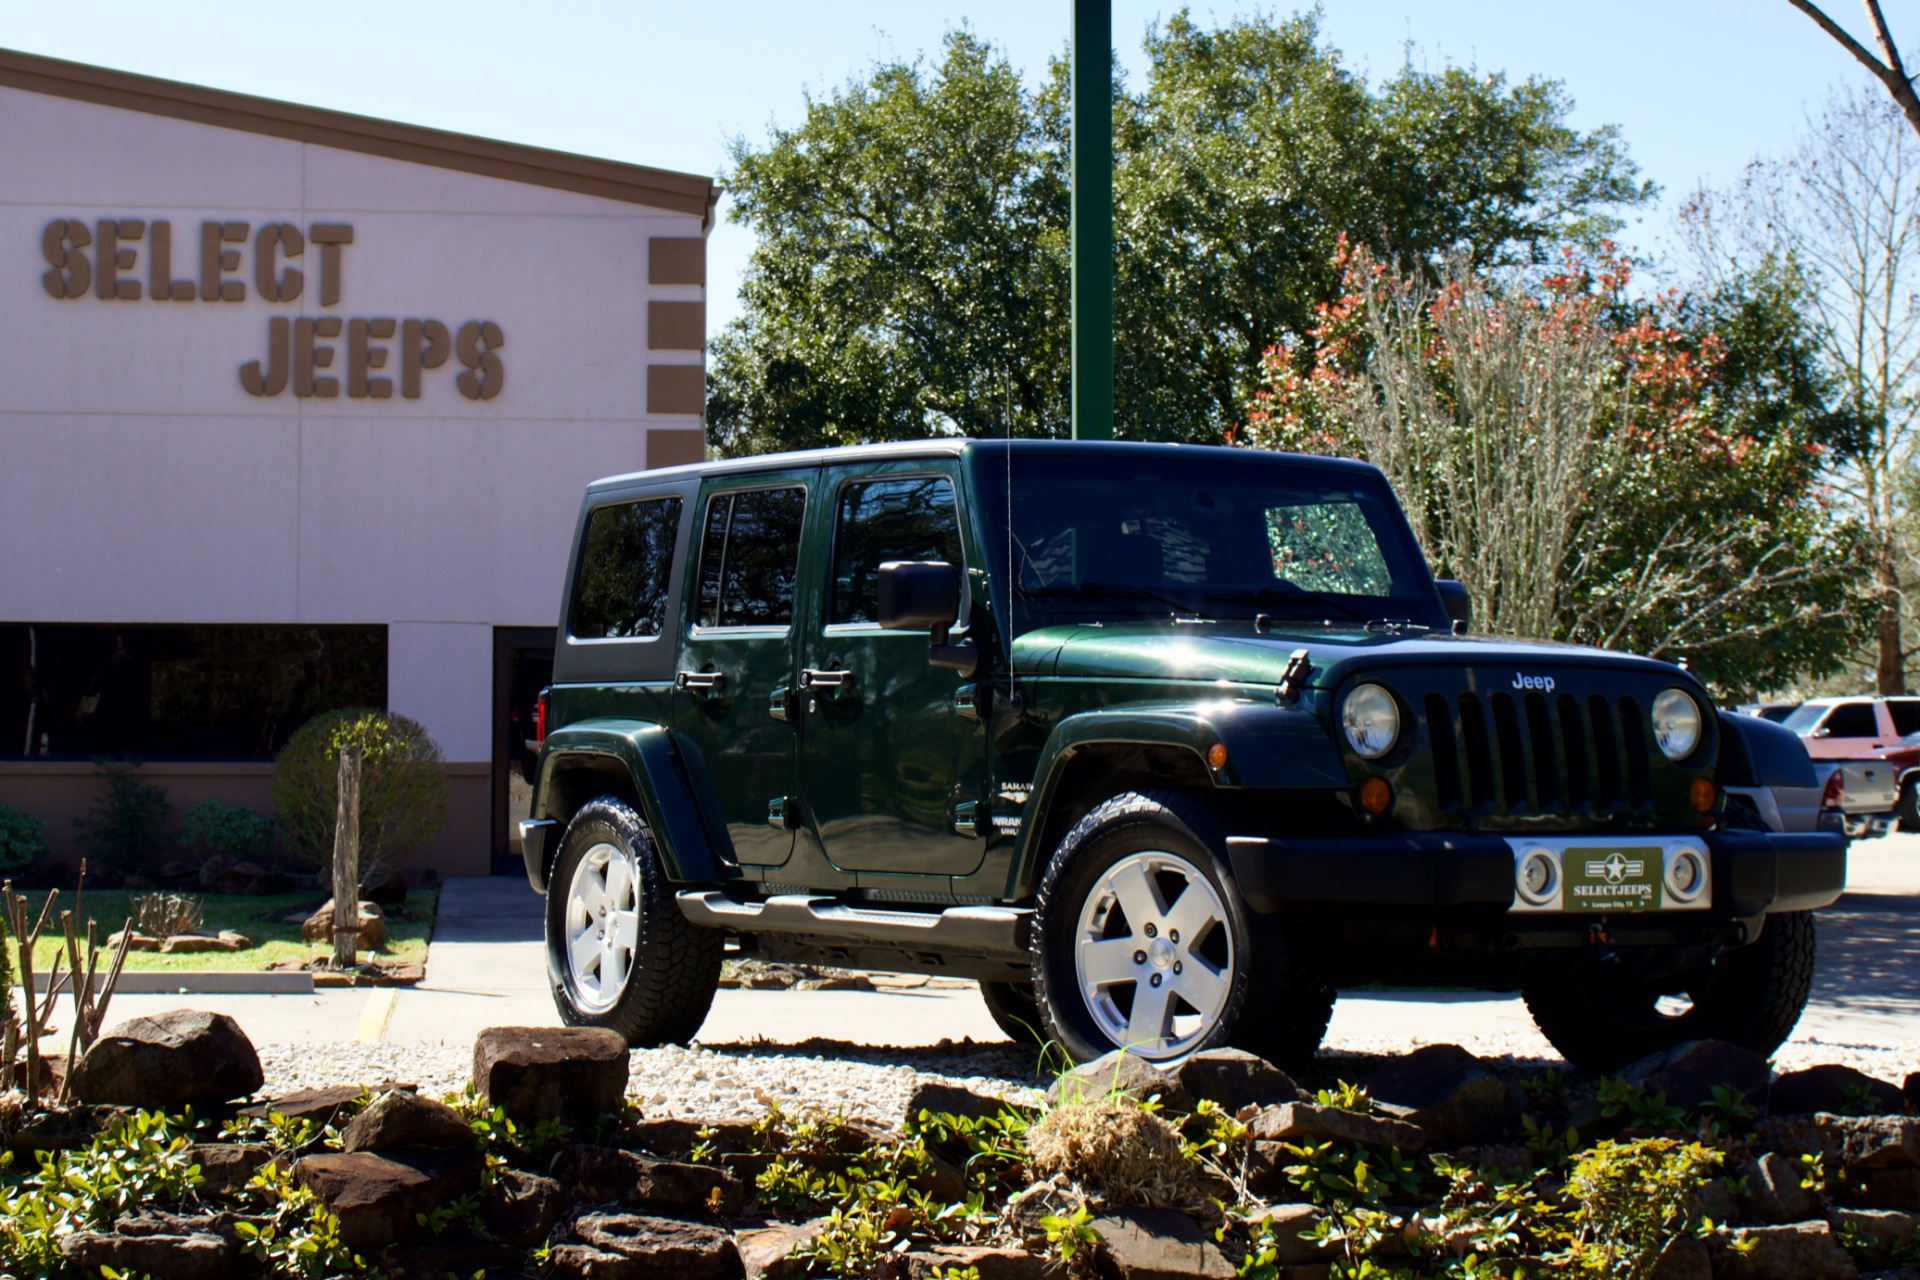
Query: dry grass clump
point(1130, 1155)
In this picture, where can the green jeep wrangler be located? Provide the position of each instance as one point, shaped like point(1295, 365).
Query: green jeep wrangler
point(1161, 744)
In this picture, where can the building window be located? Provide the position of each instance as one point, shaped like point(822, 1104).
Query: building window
point(178, 692)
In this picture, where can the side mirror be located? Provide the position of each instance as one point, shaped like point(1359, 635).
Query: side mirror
point(924, 595)
point(1821, 732)
point(1459, 607)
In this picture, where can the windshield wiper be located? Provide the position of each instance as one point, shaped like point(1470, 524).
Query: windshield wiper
point(1291, 595)
point(1109, 591)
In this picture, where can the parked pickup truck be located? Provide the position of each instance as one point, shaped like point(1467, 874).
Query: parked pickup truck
point(1876, 742)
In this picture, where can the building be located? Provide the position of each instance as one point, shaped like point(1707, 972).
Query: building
point(296, 408)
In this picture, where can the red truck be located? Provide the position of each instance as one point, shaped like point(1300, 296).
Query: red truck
point(1877, 742)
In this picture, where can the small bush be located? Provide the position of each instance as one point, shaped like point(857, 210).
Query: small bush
point(403, 796)
point(232, 829)
point(1633, 1199)
point(127, 826)
point(23, 838)
point(161, 915)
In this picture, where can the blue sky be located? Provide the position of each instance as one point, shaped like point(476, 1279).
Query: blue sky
point(1698, 87)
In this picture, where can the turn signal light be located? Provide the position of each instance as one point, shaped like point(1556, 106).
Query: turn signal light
point(1376, 796)
point(540, 716)
point(1702, 793)
point(1217, 756)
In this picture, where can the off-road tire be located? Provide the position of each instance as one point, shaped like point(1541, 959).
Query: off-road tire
point(676, 964)
point(1285, 1025)
point(1752, 997)
point(1013, 1009)
point(1910, 805)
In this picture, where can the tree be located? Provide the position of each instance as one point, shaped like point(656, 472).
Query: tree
point(1841, 208)
point(403, 794)
point(1592, 468)
point(911, 275)
point(1887, 68)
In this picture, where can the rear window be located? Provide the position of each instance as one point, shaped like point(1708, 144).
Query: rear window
point(1852, 720)
point(1906, 715)
point(626, 559)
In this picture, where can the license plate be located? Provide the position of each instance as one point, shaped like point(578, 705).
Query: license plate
point(1623, 878)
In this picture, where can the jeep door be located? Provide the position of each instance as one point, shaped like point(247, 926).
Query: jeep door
point(890, 767)
point(737, 655)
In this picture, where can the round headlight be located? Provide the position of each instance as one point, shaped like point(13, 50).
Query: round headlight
point(1372, 721)
point(1676, 723)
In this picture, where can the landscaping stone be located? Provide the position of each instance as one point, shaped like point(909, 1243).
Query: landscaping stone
point(1687, 1073)
point(1860, 1142)
point(521, 1208)
point(200, 1256)
point(1797, 1251)
point(402, 1119)
point(1835, 1088)
point(939, 1097)
point(1878, 1231)
point(1881, 1189)
point(989, 1262)
point(449, 1255)
point(675, 1137)
point(181, 1058)
point(139, 942)
point(65, 1129)
point(318, 927)
point(1289, 1222)
point(322, 1106)
point(1118, 1073)
point(631, 1246)
point(627, 1177)
point(1448, 1093)
point(1234, 1078)
point(227, 1167)
point(1159, 1244)
point(377, 1197)
point(576, 1074)
point(1684, 1258)
point(766, 1252)
point(187, 944)
point(1774, 1193)
point(1308, 1122)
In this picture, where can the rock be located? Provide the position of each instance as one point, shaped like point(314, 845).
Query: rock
point(987, 1261)
point(1118, 1073)
point(1234, 1078)
point(187, 944)
point(1684, 1258)
point(322, 1106)
point(1715, 1199)
point(576, 1074)
point(140, 942)
point(1797, 1251)
point(158, 1222)
point(1835, 1088)
point(318, 927)
point(627, 1177)
point(1774, 1193)
point(376, 1197)
point(1159, 1244)
point(189, 1257)
point(1290, 1222)
point(1875, 1231)
point(521, 1208)
point(631, 1246)
point(1880, 1189)
point(437, 1258)
point(1307, 1122)
point(1687, 1073)
point(401, 1119)
point(767, 1252)
point(1860, 1142)
point(675, 1138)
point(1026, 1207)
point(226, 1168)
point(67, 1129)
point(939, 1098)
point(170, 1061)
point(1446, 1091)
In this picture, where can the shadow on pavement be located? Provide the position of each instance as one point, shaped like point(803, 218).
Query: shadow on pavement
point(1866, 962)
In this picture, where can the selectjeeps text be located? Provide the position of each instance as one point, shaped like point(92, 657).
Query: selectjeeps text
point(1160, 743)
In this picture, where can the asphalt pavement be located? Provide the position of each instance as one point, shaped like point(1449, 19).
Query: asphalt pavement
point(487, 967)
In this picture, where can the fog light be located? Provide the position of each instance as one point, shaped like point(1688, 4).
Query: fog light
point(1538, 878)
point(1703, 795)
point(1376, 796)
point(1217, 756)
point(1686, 875)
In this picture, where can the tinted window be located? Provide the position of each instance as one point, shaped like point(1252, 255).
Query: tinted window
point(910, 518)
point(625, 561)
point(1327, 546)
point(749, 556)
point(1852, 720)
point(1906, 715)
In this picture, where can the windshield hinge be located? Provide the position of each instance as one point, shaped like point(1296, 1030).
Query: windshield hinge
point(1294, 678)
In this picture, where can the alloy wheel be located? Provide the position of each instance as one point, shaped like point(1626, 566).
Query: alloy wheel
point(1153, 954)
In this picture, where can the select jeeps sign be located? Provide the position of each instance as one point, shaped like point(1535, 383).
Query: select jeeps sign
point(127, 259)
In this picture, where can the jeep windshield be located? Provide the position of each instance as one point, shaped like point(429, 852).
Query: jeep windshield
point(1111, 537)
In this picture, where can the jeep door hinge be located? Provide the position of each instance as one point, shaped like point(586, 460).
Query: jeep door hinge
point(782, 813)
point(1294, 679)
point(969, 702)
point(966, 818)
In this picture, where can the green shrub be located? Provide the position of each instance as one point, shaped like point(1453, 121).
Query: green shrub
point(127, 826)
point(1633, 1199)
point(403, 796)
point(23, 838)
point(233, 829)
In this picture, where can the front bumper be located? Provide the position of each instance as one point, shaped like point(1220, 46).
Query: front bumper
point(1754, 872)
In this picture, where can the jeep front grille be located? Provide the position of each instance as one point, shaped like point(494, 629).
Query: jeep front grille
point(1535, 753)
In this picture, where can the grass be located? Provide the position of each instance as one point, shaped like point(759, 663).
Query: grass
point(406, 939)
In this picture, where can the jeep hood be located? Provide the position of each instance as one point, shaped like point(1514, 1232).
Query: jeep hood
point(1209, 653)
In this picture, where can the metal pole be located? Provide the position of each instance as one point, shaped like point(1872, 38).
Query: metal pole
point(1092, 219)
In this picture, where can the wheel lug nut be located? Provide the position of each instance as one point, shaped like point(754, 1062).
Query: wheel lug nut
point(1139, 957)
point(1154, 980)
point(1176, 966)
point(1173, 935)
point(1152, 932)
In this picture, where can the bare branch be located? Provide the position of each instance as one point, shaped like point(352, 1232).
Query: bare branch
point(1889, 73)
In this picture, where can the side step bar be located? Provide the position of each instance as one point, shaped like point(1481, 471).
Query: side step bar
point(979, 931)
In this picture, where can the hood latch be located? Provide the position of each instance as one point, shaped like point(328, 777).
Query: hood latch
point(1294, 678)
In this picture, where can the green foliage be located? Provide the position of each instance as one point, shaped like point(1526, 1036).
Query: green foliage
point(126, 828)
point(403, 796)
point(1336, 1173)
point(498, 1135)
point(911, 276)
point(23, 838)
point(1345, 1097)
point(1632, 1200)
point(143, 1160)
point(290, 1233)
point(235, 830)
point(1643, 1110)
point(995, 1146)
point(1070, 1233)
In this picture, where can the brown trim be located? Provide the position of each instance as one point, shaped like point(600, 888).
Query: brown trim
point(676, 326)
point(676, 388)
point(675, 447)
point(676, 260)
point(585, 175)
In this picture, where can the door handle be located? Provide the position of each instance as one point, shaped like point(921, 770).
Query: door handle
point(710, 683)
point(839, 681)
